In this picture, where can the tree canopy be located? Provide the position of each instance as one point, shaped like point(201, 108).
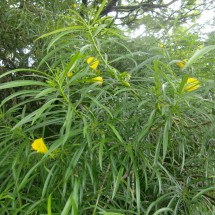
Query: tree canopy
point(23, 21)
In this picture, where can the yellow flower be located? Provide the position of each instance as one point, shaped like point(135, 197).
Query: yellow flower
point(74, 5)
point(192, 84)
point(93, 62)
point(161, 45)
point(180, 64)
point(39, 146)
point(99, 80)
point(69, 74)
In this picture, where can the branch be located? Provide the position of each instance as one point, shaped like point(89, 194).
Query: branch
point(143, 6)
point(109, 7)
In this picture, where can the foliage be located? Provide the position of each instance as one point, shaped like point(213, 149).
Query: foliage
point(152, 13)
point(124, 136)
point(23, 21)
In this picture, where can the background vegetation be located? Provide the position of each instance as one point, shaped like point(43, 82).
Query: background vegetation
point(122, 134)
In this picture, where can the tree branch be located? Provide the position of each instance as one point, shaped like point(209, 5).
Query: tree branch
point(109, 7)
point(147, 6)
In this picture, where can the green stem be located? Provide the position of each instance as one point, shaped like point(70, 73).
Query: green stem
point(63, 94)
point(66, 99)
point(96, 47)
point(112, 72)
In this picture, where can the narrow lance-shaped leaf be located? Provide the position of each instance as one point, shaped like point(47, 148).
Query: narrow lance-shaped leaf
point(198, 55)
point(49, 205)
point(101, 150)
point(99, 11)
point(67, 29)
point(21, 83)
point(116, 133)
point(117, 182)
point(166, 137)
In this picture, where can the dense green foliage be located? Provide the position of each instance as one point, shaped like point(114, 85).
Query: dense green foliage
point(134, 142)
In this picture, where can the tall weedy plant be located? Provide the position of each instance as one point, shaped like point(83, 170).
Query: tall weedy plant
point(79, 136)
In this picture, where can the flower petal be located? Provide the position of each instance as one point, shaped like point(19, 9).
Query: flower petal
point(39, 146)
point(180, 64)
point(192, 84)
point(93, 62)
point(99, 80)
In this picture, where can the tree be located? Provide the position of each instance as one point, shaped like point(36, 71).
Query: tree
point(136, 12)
point(23, 21)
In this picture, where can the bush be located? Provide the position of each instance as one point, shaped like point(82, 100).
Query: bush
point(139, 141)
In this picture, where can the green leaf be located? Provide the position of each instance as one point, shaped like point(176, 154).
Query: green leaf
point(137, 178)
point(51, 53)
point(100, 105)
point(161, 210)
point(70, 204)
point(182, 84)
point(24, 70)
point(27, 178)
point(23, 93)
point(147, 126)
point(66, 128)
point(49, 205)
point(198, 55)
point(112, 213)
point(162, 198)
point(25, 120)
point(39, 111)
point(47, 181)
point(72, 201)
point(137, 188)
point(20, 83)
point(116, 133)
point(99, 11)
point(56, 38)
point(166, 136)
point(71, 63)
point(67, 29)
point(45, 92)
point(198, 195)
point(144, 63)
point(101, 150)
point(117, 182)
point(99, 29)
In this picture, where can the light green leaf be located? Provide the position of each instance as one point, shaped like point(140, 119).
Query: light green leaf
point(166, 136)
point(67, 29)
point(198, 55)
point(99, 11)
point(70, 204)
point(45, 92)
point(101, 150)
point(116, 132)
point(161, 210)
point(202, 192)
point(112, 213)
point(42, 109)
point(20, 83)
point(49, 205)
point(117, 182)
